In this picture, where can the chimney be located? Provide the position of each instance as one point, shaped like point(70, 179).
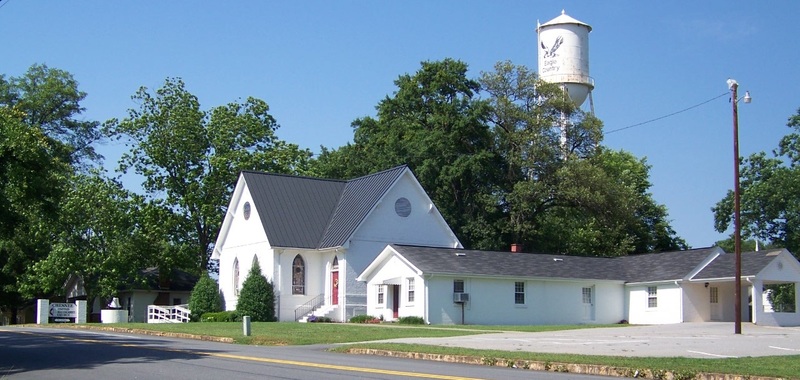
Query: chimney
point(516, 248)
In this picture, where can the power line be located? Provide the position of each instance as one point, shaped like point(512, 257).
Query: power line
point(668, 115)
point(3, 4)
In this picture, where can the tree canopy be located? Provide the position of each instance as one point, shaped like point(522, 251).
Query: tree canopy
point(190, 158)
point(770, 199)
point(501, 168)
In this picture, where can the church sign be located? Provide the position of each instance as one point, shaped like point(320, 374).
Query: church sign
point(63, 312)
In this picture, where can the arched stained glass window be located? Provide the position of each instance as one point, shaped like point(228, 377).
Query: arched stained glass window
point(236, 277)
point(298, 275)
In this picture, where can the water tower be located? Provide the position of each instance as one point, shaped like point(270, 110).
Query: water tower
point(564, 56)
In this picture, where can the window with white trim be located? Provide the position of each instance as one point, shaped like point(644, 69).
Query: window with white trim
point(519, 293)
point(381, 294)
point(652, 296)
point(411, 290)
point(298, 275)
point(236, 277)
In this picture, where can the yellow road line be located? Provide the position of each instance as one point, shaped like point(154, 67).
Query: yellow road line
point(264, 360)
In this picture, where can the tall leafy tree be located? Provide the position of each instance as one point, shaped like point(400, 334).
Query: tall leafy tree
point(101, 239)
point(770, 197)
point(190, 158)
point(435, 124)
point(563, 192)
point(43, 141)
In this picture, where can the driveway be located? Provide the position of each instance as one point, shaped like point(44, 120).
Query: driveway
point(694, 340)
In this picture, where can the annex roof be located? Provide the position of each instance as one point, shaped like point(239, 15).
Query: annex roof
point(651, 267)
point(491, 263)
point(724, 266)
point(306, 212)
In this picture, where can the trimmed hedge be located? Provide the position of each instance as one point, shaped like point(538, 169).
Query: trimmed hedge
point(364, 318)
point(221, 316)
point(411, 321)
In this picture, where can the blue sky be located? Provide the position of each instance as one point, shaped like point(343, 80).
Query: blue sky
point(322, 64)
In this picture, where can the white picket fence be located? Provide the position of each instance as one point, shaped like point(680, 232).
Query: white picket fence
point(168, 314)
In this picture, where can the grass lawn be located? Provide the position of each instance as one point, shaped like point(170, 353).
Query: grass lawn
point(292, 333)
point(787, 367)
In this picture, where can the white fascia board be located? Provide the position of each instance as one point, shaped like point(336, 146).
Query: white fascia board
point(717, 252)
point(530, 278)
point(675, 281)
point(230, 213)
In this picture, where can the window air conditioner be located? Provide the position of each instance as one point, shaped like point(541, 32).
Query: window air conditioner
point(460, 297)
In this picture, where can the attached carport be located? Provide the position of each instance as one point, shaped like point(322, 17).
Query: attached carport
point(710, 293)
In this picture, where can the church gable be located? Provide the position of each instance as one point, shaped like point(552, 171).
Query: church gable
point(406, 215)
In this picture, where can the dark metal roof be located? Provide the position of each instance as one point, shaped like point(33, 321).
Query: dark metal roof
point(486, 263)
point(358, 199)
point(663, 266)
point(306, 212)
point(725, 265)
point(294, 210)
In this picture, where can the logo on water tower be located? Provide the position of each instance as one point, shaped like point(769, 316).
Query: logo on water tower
point(551, 52)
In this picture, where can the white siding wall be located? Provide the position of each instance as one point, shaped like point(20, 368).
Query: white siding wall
point(668, 309)
point(697, 302)
point(546, 302)
point(246, 239)
point(396, 271)
point(422, 227)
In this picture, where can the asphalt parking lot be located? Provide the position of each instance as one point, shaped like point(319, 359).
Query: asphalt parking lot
point(695, 340)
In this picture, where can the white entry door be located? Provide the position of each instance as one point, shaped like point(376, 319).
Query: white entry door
point(588, 303)
point(716, 308)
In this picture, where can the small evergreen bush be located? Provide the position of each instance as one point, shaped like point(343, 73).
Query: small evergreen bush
point(205, 297)
point(411, 321)
point(257, 297)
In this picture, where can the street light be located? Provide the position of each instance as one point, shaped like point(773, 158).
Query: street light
point(737, 225)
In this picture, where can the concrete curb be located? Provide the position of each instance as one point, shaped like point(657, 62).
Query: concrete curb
point(584, 369)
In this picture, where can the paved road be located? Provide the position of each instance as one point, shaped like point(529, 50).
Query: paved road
point(39, 353)
point(695, 340)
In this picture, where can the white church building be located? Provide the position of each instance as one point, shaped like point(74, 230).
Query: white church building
point(377, 245)
point(312, 237)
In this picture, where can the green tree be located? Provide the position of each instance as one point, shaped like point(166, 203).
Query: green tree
point(205, 297)
point(40, 141)
point(435, 124)
point(190, 158)
point(257, 297)
point(770, 198)
point(100, 239)
point(563, 191)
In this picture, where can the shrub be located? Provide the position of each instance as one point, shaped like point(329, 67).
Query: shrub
point(411, 321)
point(257, 297)
point(363, 318)
point(315, 319)
point(205, 297)
point(221, 316)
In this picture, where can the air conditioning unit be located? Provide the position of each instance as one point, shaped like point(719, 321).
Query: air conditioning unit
point(460, 297)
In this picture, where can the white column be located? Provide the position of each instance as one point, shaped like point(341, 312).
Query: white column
point(81, 317)
point(42, 311)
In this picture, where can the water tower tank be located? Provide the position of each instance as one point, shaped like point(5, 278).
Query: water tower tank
point(564, 55)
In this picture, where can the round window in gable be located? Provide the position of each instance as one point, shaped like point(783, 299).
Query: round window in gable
point(402, 207)
point(246, 210)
